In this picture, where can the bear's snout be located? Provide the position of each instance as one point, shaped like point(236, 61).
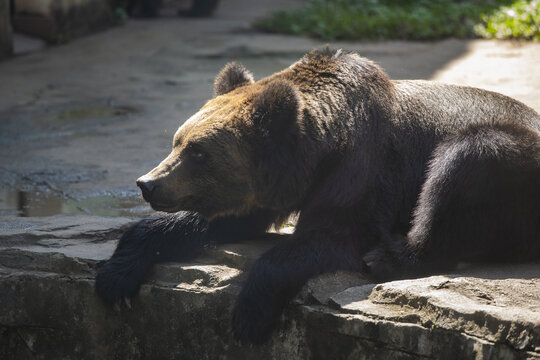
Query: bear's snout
point(147, 187)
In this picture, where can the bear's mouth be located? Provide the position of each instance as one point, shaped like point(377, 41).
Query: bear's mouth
point(164, 207)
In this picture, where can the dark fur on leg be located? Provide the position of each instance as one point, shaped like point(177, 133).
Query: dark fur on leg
point(280, 273)
point(151, 240)
point(482, 194)
point(480, 202)
point(389, 260)
point(168, 237)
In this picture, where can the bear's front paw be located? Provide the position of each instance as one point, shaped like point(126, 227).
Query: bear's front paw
point(254, 319)
point(119, 280)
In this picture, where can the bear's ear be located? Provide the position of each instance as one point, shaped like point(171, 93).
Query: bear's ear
point(278, 106)
point(232, 76)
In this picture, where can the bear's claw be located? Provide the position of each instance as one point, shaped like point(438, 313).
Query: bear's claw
point(254, 318)
point(118, 282)
point(250, 330)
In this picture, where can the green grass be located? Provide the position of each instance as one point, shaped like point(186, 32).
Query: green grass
point(408, 19)
point(521, 20)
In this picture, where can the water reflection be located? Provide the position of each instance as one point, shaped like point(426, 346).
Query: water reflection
point(40, 203)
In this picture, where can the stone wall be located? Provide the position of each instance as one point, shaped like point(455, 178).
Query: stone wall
point(50, 310)
point(6, 41)
point(58, 21)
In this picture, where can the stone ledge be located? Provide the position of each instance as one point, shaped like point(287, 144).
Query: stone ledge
point(50, 310)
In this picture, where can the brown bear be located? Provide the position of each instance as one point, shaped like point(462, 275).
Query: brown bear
point(390, 178)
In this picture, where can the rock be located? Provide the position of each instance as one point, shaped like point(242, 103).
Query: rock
point(322, 288)
point(58, 21)
point(502, 311)
point(50, 309)
point(57, 231)
point(6, 39)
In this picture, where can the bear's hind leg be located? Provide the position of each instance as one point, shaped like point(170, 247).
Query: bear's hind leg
point(480, 201)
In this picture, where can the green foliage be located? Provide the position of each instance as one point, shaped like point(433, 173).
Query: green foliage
point(58, 38)
point(120, 15)
point(520, 20)
point(388, 19)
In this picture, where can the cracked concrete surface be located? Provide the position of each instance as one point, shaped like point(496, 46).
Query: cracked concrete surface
point(80, 122)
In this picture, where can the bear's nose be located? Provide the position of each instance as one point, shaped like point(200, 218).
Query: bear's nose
point(147, 187)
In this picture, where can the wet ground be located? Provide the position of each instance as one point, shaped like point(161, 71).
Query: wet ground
point(80, 122)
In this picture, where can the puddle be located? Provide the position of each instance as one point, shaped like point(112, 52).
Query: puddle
point(93, 112)
point(43, 203)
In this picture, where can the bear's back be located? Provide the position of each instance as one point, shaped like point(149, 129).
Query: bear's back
point(443, 109)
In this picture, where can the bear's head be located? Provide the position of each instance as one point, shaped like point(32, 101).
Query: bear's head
point(238, 153)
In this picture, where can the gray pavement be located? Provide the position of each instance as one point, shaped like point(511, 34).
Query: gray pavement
point(80, 122)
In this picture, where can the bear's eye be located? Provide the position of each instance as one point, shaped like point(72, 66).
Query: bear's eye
point(195, 153)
